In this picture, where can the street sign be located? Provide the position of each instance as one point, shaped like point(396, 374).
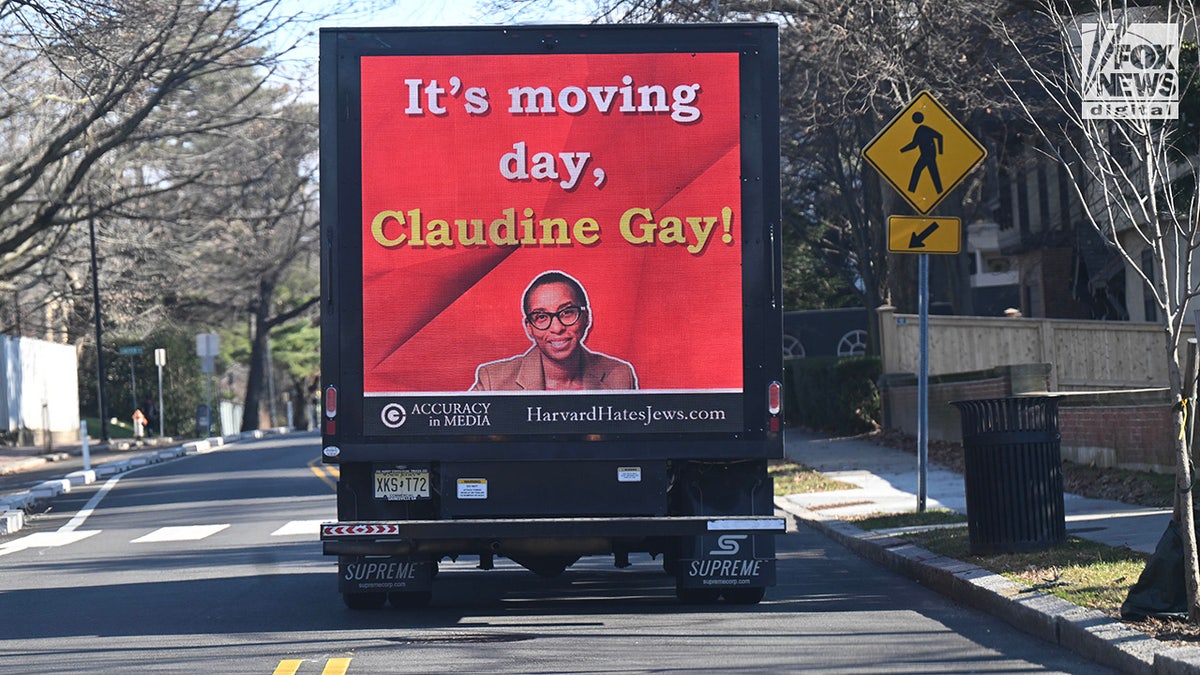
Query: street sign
point(208, 346)
point(912, 234)
point(132, 351)
point(924, 153)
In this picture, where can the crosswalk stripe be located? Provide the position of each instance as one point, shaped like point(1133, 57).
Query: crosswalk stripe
point(64, 536)
point(45, 540)
point(298, 528)
point(180, 533)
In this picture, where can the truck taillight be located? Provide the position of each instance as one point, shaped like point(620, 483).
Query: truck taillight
point(774, 398)
point(331, 401)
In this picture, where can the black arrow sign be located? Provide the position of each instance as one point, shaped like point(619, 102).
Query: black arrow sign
point(918, 239)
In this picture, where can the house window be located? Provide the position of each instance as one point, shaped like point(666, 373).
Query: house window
point(853, 343)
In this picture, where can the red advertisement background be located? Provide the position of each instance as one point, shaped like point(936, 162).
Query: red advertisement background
point(432, 314)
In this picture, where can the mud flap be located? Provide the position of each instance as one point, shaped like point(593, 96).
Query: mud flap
point(727, 561)
point(383, 574)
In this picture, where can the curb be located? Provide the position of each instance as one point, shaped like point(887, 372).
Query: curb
point(15, 505)
point(25, 464)
point(1086, 632)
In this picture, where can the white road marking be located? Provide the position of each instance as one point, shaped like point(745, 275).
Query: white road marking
point(65, 535)
point(88, 508)
point(45, 540)
point(180, 533)
point(299, 528)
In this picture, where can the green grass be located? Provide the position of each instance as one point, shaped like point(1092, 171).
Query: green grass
point(118, 429)
point(1082, 572)
point(914, 519)
point(793, 478)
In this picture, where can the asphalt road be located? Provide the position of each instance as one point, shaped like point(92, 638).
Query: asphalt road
point(211, 564)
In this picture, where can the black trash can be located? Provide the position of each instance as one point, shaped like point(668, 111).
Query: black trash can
point(1013, 473)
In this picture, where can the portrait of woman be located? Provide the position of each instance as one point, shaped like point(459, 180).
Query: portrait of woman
point(556, 317)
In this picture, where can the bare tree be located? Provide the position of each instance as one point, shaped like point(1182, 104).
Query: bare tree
point(260, 258)
point(1138, 181)
point(846, 67)
point(112, 111)
point(83, 80)
point(168, 126)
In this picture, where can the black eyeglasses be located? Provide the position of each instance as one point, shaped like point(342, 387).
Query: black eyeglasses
point(567, 316)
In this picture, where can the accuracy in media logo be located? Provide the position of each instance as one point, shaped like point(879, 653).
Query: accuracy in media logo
point(393, 415)
point(434, 414)
point(1130, 71)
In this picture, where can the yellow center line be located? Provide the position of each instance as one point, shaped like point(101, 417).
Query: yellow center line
point(332, 667)
point(288, 667)
point(327, 474)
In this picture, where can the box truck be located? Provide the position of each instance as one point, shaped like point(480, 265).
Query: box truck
point(551, 321)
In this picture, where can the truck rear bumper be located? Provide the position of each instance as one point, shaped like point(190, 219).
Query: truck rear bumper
point(391, 537)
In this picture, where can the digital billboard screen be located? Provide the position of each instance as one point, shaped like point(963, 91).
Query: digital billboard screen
point(551, 241)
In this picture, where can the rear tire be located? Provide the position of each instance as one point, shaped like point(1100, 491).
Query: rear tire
point(357, 601)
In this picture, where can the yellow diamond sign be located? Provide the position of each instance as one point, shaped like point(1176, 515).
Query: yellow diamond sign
point(924, 152)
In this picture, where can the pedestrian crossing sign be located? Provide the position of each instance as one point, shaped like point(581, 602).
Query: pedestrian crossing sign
point(924, 153)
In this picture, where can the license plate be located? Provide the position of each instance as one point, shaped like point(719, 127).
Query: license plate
point(401, 484)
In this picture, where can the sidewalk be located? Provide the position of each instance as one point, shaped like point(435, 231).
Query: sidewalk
point(887, 483)
point(887, 480)
point(25, 464)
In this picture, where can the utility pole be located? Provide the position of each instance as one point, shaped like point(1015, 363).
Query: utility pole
point(99, 334)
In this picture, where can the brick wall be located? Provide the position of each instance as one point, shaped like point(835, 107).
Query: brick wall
point(1128, 436)
point(900, 404)
point(1126, 429)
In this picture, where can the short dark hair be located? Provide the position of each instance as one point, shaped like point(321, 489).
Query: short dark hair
point(552, 277)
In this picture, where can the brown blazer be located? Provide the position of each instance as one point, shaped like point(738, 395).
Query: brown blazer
point(524, 372)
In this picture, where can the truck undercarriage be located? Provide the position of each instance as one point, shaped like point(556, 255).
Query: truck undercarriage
point(710, 522)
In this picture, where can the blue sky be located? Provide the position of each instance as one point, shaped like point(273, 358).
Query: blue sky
point(404, 13)
point(418, 13)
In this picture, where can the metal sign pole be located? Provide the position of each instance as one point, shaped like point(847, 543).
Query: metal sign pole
point(888, 153)
point(923, 384)
point(160, 360)
point(208, 345)
point(208, 402)
point(83, 439)
point(132, 381)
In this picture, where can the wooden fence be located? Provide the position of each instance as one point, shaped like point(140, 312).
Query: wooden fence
point(1084, 355)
